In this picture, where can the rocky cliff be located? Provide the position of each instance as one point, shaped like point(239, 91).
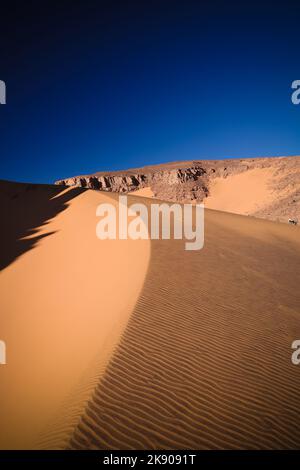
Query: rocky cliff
point(189, 181)
point(179, 181)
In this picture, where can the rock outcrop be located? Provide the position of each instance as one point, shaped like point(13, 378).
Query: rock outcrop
point(189, 181)
point(107, 183)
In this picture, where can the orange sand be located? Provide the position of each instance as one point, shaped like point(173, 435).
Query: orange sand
point(64, 304)
point(144, 192)
point(113, 347)
point(243, 193)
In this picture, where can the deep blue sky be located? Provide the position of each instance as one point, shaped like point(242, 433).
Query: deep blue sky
point(107, 85)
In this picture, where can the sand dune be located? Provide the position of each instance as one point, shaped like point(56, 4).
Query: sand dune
point(65, 300)
point(205, 360)
point(153, 349)
point(243, 193)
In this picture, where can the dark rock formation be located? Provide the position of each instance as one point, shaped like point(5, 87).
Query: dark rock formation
point(174, 184)
point(188, 181)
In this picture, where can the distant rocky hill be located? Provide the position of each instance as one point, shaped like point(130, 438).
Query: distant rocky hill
point(271, 191)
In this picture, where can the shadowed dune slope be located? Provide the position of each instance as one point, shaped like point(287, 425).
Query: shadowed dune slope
point(23, 209)
point(205, 360)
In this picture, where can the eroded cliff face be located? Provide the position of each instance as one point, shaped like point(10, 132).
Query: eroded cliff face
point(194, 181)
point(174, 185)
point(107, 183)
point(186, 183)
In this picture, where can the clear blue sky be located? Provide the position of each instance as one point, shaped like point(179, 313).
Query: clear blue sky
point(107, 85)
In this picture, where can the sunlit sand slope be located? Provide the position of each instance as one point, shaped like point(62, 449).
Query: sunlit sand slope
point(205, 360)
point(65, 299)
point(269, 188)
point(243, 193)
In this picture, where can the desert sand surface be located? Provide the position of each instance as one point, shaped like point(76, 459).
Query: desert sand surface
point(65, 300)
point(205, 360)
point(143, 345)
point(144, 192)
point(243, 193)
